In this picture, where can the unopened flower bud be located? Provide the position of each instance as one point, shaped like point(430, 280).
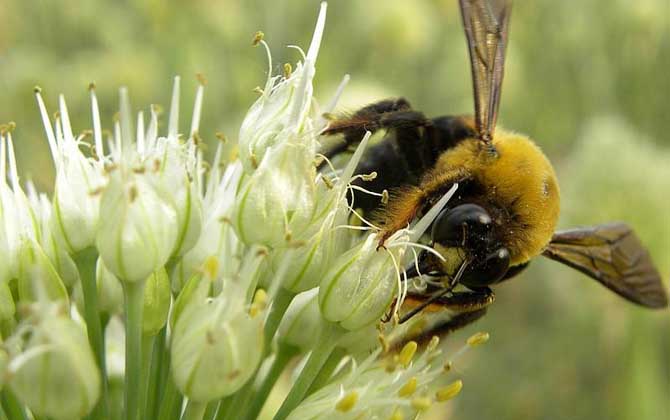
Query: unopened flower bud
point(302, 323)
point(276, 203)
point(75, 208)
point(37, 278)
point(157, 296)
point(305, 264)
point(359, 286)
point(215, 349)
point(137, 230)
point(56, 375)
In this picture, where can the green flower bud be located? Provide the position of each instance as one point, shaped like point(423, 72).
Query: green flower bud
point(277, 202)
point(56, 375)
point(303, 267)
point(216, 347)
point(37, 278)
point(359, 286)
point(302, 323)
point(157, 296)
point(137, 230)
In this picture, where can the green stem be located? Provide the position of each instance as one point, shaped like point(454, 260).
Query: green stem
point(155, 386)
point(317, 359)
point(12, 406)
point(327, 370)
point(86, 261)
point(224, 407)
point(284, 355)
point(194, 410)
point(210, 412)
point(171, 401)
point(277, 310)
point(134, 299)
point(147, 353)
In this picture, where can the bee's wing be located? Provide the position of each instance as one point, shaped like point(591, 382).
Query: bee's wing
point(613, 255)
point(486, 27)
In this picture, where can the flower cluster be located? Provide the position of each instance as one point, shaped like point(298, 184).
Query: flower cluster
point(221, 272)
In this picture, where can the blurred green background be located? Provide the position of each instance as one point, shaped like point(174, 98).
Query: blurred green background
point(587, 79)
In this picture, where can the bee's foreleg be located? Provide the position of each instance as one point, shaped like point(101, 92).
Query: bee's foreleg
point(385, 114)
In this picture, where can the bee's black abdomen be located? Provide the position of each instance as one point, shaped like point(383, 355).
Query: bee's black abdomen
point(411, 147)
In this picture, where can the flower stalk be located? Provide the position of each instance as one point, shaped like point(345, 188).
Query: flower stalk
point(315, 362)
point(86, 262)
point(134, 299)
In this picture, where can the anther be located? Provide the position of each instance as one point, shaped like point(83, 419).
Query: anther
point(347, 402)
point(449, 391)
point(258, 37)
point(433, 343)
point(287, 70)
point(211, 267)
point(221, 137)
point(407, 353)
point(478, 338)
point(397, 414)
point(201, 79)
point(408, 389)
point(421, 403)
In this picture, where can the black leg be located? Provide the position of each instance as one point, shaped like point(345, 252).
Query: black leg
point(385, 114)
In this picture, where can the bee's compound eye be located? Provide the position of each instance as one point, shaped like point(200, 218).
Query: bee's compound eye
point(488, 270)
point(459, 225)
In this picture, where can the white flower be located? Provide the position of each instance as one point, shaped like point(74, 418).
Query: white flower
point(137, 229)
point(390, 386)
point(78, 178)
point(216, 344)
point(281, 113)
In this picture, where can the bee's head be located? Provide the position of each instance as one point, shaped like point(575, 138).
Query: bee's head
point(467, 228)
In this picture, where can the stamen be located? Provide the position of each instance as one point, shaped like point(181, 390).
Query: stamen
point(397, 414)
point(408, 389)
point(65, 118)
point(478, 339)
point(449, 391)
point(407, 353)
point(347, 402)
point(421, 403)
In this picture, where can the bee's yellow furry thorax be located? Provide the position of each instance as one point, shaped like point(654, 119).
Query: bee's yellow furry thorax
point(518, 179)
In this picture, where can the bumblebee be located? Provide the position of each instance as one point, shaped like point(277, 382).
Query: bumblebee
point(506, 206)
